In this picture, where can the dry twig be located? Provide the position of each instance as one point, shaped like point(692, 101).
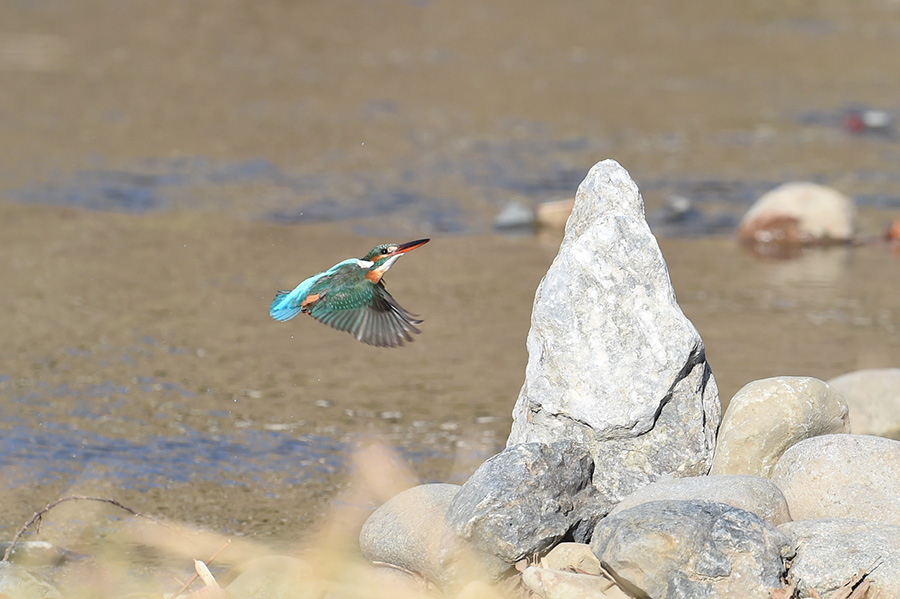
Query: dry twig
point(36, 517)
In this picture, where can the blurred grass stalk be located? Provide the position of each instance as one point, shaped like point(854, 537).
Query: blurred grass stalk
point(138, 557)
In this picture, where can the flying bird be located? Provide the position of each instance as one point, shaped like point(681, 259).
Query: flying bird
point(350, 296)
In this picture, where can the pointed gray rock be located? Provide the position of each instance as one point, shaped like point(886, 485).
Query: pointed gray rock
point(613, 363)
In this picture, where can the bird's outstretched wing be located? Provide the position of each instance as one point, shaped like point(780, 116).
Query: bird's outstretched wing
point(367, 311)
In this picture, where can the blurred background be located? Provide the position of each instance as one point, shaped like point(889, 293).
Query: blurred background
point(166, 166)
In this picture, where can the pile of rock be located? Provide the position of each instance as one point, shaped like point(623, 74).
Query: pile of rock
point(617, 479)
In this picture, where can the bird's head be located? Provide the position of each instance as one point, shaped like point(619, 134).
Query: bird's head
point(383, 256)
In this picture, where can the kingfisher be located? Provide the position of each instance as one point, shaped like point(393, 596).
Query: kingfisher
point(350, 296)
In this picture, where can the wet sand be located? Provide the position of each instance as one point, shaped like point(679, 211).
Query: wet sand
point(142, 338)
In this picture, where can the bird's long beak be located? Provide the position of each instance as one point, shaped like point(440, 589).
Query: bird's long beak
point(384, 265)
point(409, 246)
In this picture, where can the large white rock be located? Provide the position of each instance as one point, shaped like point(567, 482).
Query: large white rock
point(613, 362)
point(842, 476)
point(873, 397)
point(768, 416)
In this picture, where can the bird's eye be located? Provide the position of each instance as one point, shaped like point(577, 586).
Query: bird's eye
point(384, 250)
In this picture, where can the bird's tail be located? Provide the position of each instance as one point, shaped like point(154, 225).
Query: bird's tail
point(284, 307)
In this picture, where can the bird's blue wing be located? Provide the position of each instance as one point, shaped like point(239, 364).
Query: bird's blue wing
point(284, 306)
point(287, 304)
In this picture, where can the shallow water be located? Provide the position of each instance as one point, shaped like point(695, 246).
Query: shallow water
point(163, 171)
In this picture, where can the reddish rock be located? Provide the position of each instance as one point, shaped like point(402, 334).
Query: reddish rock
point(795, 215)
point(893, 232)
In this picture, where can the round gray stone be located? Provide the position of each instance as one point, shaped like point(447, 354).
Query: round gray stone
point(406, 531)
point(752, 493)
point(832, 551)
point(842, 476)
point(696, 549)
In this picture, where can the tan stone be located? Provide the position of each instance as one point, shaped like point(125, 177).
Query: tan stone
point(572, 555)
point(768, 416)
point(873, 397)
point(555, 584)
